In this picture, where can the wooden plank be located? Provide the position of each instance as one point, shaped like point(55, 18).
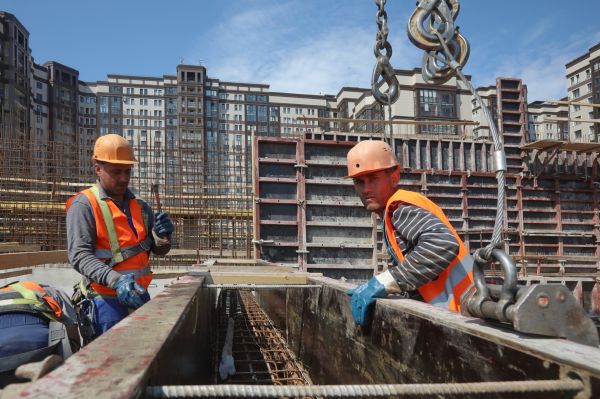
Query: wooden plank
point(16, 273)
point(16, 247)
point(25, 259)
point(240, 277)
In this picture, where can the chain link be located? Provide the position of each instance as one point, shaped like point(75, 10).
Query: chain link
point(383, 71)
point(431, 27)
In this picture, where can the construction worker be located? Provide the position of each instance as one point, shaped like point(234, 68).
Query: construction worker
point(110, 235)
point(35, 321)
point(430, 261)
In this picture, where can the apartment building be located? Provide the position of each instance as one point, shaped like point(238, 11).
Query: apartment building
point(548, 121)
point(419, 102)
point(39, 126)
point(583, 84)
point(16, 76)
point(134, 107)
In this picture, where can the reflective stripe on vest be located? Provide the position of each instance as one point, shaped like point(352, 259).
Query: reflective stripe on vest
point(447, 289)
point(34, 299)
point(115, 239)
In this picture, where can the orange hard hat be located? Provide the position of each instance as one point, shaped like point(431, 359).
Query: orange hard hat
point(370, 156)
point(113, 148)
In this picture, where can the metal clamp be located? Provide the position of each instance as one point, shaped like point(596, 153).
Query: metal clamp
point(481, 303)
point(541, 309)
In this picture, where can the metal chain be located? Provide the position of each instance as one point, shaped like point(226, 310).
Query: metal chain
point(431, 24)
point(383, 71)
point(432, 28)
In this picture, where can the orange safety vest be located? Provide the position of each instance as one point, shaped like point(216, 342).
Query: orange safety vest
point(447, 289)
point(29, 297)
point(116, 256)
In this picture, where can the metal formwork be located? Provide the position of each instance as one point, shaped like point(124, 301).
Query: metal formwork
point(308, 214)
point(306, 211)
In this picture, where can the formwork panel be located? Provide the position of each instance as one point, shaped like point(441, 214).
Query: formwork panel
point(547, 216)
point(277, 170)
point(328, 192)
point(342, 257)
point(356, 214)
point(278, 191)
point(279, 233)
point(274, 150)
point(279, 212)
point(335, 236)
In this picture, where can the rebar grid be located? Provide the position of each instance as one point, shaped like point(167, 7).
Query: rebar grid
point(260, 352)
point(212, 215)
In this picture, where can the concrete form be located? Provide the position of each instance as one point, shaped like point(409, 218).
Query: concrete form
point(169, 342)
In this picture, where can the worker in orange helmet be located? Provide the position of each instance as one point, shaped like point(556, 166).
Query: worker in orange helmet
point(430, 261)
point(110, 235)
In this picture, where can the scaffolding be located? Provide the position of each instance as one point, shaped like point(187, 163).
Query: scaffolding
point(209, 202)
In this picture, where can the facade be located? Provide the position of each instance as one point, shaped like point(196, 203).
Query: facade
point(583, 83)
point(192, 132)
point(548, 121)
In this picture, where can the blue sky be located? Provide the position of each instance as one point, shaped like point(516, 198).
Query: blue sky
point(308, 46)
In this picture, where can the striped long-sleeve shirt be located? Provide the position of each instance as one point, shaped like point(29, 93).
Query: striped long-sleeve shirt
point(427, 244)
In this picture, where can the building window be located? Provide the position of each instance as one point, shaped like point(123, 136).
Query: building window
point(436, 103)
point(575, 93)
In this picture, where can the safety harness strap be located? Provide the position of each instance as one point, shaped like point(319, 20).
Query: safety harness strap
point(116, 255)
point(30, 302)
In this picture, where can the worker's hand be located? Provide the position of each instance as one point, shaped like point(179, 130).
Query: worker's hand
point(163, 226)
point(363, 297)
point(129, 292)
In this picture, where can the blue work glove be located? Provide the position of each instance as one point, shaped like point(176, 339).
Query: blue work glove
point(363, 298)
point(163, 226)
point(129, 292)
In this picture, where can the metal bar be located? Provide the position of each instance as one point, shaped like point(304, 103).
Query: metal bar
point(261, 286)
point(393, 122)
point(380, 390)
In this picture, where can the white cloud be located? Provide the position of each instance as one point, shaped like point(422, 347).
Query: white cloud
point(279, 46)
point(541, 66)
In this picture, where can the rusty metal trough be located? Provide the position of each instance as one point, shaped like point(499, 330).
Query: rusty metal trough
point(171, 342)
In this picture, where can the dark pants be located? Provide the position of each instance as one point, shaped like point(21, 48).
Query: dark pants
point(19, 333)
point(108, 312)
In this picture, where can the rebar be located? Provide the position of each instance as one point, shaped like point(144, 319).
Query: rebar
point(352, 391)
point(260, 353)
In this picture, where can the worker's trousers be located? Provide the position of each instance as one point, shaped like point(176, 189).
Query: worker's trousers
point(20, 333)
point(108, 312)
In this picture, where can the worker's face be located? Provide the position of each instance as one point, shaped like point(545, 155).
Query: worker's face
point(114, 177)
point(374, 189)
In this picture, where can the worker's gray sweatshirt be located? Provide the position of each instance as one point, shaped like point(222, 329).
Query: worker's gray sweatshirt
point(81, 237)
point(427, 244)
